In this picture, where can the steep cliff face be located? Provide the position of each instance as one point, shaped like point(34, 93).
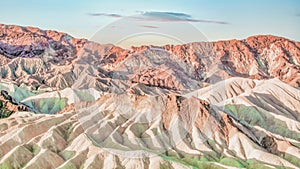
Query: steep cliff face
point(226, 104)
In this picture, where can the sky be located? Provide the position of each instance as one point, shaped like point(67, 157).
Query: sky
point(213, 19)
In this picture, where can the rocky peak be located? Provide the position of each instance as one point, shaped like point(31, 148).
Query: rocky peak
point(28, 42)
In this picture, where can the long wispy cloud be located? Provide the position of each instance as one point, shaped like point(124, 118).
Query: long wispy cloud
point(175, 17)
point(160, 17)
point(106, 14)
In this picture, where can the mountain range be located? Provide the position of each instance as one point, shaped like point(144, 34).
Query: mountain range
point(74, 103)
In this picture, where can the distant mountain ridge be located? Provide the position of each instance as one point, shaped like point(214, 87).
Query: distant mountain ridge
point(257, 57)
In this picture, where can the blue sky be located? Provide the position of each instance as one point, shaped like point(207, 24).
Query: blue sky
point(218, 19)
